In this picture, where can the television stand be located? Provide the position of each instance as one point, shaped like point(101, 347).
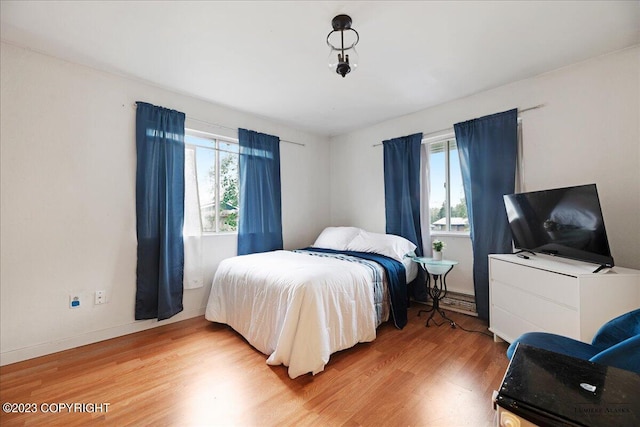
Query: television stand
point(560, 296)
point(599, 269)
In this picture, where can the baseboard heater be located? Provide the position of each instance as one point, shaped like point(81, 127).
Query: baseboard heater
point(461, 303)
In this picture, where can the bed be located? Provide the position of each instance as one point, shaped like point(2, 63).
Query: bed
point(298, 307)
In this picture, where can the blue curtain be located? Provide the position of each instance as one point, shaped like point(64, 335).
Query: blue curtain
point(159, 211)
point(260, 222)
point(402, 197)
point(402, 188)
point(488, 151)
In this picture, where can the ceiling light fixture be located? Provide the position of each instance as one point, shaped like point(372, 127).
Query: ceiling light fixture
point(347, 57)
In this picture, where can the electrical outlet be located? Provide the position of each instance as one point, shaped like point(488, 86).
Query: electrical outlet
point(101, 297)
point(74, 301)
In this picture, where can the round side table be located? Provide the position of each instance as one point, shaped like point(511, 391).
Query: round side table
point(437, 271)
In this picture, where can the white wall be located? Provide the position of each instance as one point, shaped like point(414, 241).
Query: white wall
point(67, 152)
point(588, 131)
point(68, 200)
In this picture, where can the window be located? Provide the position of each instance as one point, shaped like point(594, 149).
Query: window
point(215, 160)
point(447, 206)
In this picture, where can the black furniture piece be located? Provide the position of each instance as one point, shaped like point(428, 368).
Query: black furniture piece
point(617, 343)
point(545, 388)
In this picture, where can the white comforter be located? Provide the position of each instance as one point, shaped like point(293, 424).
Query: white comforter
point(294, 307)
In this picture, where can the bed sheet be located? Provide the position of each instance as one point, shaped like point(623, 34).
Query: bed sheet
point(296, 308)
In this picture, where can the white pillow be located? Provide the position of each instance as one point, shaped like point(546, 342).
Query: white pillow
point(390, 245)
point(336, 238)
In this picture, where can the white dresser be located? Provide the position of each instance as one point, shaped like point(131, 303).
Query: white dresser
point(556, 295)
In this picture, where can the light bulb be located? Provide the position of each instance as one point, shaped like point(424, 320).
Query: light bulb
point(343, 64)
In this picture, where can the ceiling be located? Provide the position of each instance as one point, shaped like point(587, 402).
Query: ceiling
point(269, 58)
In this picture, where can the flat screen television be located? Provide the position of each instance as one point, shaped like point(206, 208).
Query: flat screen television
point(565, 222)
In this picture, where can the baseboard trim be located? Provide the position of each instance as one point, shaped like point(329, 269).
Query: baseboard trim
point(26, 353)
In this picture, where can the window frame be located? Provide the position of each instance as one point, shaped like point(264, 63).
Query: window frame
point(446, 139)
point(216, 140)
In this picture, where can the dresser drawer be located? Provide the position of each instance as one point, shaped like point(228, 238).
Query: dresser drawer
point(534, 312)
point(545, 284)
point(509, 327)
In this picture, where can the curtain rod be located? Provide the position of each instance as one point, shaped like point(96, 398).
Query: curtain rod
point(427, 135)
point(135, 105)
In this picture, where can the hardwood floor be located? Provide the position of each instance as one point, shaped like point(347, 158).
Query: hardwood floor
point(198, 373)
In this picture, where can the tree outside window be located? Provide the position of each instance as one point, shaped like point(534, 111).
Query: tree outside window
point(217, 180)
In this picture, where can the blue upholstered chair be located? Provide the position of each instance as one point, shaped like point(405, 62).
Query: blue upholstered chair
point(617, 343)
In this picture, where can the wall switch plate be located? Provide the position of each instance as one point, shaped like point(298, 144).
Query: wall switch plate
point(101, 297)
point(74, 301)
